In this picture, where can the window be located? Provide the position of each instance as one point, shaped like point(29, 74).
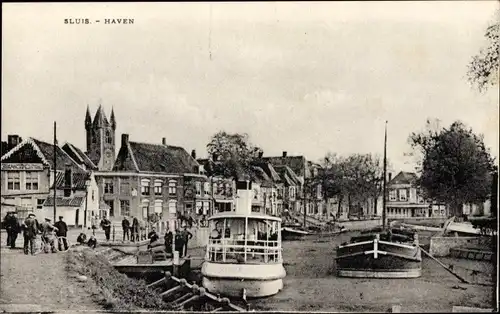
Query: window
point(206, 208)
point(392, 195)
point(214, 188)
point(206, 189)
point(172, 207)
point(108, 187)
point(291, 192)
point(111, 204)
point(228, 189)
point(145, 209)
point(318, 191)
point(108, 138)
point(221, 189)
point(280, 193)
point(39, 203)
point(158, 206)
point(158, 187)
point(125, 207)
point(26, 203)
point(92, 195)
point(198, 188)
point(125, 188)
point(402, 195)
point(199, 207)
point(31, 180)
point(172, 187)
point(145, 190)
point(13, 181)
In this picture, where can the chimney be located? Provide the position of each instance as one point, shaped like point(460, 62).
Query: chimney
point(193, 154)
point(284, 154)
point(68, 180)
point(164, 141)
point(124, 140)
point(244, 197)
point(390, 177)
point(13, 140)
point(261, 153)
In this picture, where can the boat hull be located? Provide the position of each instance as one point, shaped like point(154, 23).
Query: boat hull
point(379, 259)
point(259, 280)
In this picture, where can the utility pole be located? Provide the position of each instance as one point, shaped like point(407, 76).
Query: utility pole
point(385, 180)
point(55, 172)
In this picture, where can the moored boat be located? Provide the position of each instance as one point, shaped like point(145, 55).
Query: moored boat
point(243, 254)
point(384, 253)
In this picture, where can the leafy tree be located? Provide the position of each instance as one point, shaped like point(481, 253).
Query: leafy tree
point(233, 154)
point(456, 166)
point(483, 69)
point(357, 176)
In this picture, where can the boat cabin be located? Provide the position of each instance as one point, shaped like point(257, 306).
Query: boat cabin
point(244, 237)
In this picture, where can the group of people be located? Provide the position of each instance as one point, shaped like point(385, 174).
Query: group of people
point(31, 228)
point(134, 232)
point(181, 240)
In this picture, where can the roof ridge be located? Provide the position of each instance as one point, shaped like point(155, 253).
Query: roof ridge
point(32, 141)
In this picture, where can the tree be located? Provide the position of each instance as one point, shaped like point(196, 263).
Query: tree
point(483, 69)
point(456, 166)
point(233, 154)
point(357, 176)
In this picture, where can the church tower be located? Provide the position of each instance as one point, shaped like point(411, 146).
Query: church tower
point(101, 139)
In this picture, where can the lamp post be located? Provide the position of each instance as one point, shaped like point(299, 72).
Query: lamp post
point(87, 185)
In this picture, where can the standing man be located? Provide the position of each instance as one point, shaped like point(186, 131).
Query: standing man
point(62, 231)
point(179, 242)
point(106, 226)
point(31, 229)
point(15, 230)
point(186, 236)
point(8, 227)
point(126, 228)
point(135, 229)
point(48, 234)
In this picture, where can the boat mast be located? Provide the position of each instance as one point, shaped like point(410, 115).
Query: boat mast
point(384, 209)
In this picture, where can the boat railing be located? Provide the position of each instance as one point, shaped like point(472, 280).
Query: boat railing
point(237, 251)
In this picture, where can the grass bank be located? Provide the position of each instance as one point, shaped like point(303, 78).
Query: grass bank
point(109, 288)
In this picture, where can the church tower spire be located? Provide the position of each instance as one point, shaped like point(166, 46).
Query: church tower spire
point(88, 119)
point(112, 118)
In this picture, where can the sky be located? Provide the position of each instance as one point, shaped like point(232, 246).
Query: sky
point(303, 77)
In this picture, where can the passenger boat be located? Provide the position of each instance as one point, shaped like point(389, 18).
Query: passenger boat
point(244, 255)
point(383, 253)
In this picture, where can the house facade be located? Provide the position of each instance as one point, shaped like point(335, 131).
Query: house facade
point(156, 181)
point(405, 199)
point(27, 174)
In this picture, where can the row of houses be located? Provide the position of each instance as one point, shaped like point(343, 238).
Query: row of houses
point(161, 181)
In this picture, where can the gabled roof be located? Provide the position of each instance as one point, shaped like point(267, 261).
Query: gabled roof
point(289, 177)
point(143, 157)
point(296, 163)
point(79, 179)
point(77, 155)
point(35, 151)
point(74, 201)
point(404, 178)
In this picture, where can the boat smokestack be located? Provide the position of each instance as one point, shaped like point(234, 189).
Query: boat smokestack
point(244, 197)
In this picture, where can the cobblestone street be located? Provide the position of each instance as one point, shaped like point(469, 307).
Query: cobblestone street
point(39, 283)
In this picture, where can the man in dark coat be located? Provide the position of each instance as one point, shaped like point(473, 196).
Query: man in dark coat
point(126, 228)
point(186, 236)
point(62, 231)
point(106, 226)
point(169, 237)
point(10, 223)
point(179, 243)
point(31, 228)
point(135, 229)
